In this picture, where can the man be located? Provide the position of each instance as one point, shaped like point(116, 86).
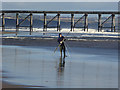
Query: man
point(61, 40)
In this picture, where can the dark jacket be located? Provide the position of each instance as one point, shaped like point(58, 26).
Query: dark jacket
point(61, 39)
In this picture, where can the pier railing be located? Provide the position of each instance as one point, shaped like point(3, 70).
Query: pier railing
point(58, 14)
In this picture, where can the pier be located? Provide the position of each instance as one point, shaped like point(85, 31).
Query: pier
point(85, 14)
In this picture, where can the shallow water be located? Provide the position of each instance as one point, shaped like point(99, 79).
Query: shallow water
point(39, 66)
point(54, 33)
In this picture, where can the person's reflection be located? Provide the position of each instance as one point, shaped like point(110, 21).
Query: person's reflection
point(61, 64)
point(60, 72)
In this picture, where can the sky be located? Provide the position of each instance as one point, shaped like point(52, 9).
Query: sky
point(60, 6)
point(60, 0)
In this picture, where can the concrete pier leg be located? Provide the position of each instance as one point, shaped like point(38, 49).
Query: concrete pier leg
point(31, 23)
point(58, 26)
point(113, 23)
point(72, 22)
point(86, 22)
point(3, 22)
point(17, 23)
point(45, 22)
point(99, 22)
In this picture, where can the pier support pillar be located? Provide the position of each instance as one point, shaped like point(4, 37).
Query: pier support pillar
point(17, 23)
point(99, 22)
point(58, 25)
point(31, 23)
point(72, 22)
point(113, 23)
point(3, 22)
point(86, 22)
point(45, 22)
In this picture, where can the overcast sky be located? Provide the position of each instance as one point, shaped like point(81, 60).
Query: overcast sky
point(43, 6)
point(60, 0)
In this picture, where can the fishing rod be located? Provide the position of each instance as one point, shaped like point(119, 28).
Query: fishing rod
point(67, 49)
point(58, 46)
point(61, 43)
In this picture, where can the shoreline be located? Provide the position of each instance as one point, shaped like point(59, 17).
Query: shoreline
point(83, 42)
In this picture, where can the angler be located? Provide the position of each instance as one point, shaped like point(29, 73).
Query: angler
point(61, 40)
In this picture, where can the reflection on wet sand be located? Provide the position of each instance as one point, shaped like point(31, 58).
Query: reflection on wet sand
point(60, 71)
point(61, 63)
point(37, 67)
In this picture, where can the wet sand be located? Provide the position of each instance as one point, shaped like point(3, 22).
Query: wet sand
point(81, 42)
point(9, 85)
point(89, 60)
point(38, 67)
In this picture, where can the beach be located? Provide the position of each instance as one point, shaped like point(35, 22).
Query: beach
point(30, 62)
point(86, 42)
point(30, 53)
